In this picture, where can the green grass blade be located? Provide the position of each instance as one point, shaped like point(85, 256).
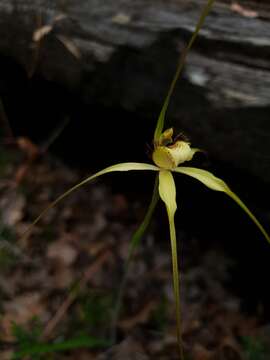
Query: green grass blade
point(181, 63)
point(76, 343)
point(176, 285)
point(135, 241)
point(137, 236)
point(214, 183)
point(117, 167)
point(167, 193)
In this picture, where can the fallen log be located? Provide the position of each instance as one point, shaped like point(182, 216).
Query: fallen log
point(122, 53)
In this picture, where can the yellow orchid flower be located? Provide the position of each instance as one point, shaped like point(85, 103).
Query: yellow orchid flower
point(167, 159)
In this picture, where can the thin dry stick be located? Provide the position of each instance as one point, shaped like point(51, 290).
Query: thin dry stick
point(34, 152)
point(55, 134)
point(73, 294)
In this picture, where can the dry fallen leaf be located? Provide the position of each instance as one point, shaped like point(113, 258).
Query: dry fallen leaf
point(44, 30)
point(129, 349)
point(28, 147)
point(70, 46)
point(11, 207)
point(121, 19)
point(6, 355)
point(20, 310)
point(65, 253)
point(41, 32)
point(243, 11)
point(141, 317)
point(199, 352)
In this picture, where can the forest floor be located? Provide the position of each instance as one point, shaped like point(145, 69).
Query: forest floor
point(58, 286)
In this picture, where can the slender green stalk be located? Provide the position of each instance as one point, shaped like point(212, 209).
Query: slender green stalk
point(176, 285)
point(180, 66)
point(167, 192)
point(136, 238)
point(135, 241)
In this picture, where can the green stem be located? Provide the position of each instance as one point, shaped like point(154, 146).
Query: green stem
point(176, 286)
point(180, 66)
point(135, 241)
point(136, 238)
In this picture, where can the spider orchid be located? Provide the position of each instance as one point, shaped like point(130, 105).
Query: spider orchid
point(168, 156)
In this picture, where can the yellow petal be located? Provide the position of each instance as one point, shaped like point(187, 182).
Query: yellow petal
point(207, 178)
point(169, 157)
point(117, 167)
point(217, 184)
point(163, 158)
point(181, 152)
point(167, 193)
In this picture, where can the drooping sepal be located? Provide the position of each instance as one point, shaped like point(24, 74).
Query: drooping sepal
point(118, 167)
point(217, 184)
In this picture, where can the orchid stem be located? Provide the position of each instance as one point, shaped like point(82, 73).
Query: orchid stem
point(180, 66)
point(176, 286)
point(135, 241)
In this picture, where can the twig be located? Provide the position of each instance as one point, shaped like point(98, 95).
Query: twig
point(54, 134)
point(73, 294)
point(33, 151)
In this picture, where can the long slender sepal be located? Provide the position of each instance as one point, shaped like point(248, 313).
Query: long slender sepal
point(135, 241)
point(250, 214)
point(181, 63)
point(117, 167)
point(214, 183)
point(167, 193)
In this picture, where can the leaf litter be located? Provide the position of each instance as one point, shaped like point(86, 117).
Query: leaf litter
point(67, 273)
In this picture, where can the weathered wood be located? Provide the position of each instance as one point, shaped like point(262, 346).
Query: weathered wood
point(129, 49)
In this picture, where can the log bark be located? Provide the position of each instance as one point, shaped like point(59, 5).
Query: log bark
point(123, 53)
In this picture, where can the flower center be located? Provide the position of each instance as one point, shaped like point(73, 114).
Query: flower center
point(168, 155)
